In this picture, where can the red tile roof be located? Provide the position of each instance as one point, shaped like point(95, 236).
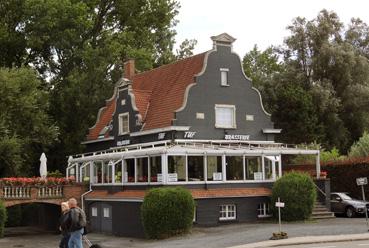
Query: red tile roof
point(158, 94)
point(196, 193)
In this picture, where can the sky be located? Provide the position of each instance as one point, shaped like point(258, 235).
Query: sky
point(261, 22)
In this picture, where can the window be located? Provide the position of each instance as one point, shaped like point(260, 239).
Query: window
point(214, 167)
point(224, 77)
point(176, 168)
point(123, 123)
point(142, 170)
point(106, 213)
point(268, 169)
point(254, 168)
point(195, 166)
point(225, 116)
point(155, 169)
point(263, 210)
point(227, 212)
point(129, 170)
point(234, 167)
point(94, 211)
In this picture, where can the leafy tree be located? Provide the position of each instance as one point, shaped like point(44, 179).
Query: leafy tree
point(25, 128)
point(78, 48)
point(3, 218)
point(186, 49)
point(361, 147)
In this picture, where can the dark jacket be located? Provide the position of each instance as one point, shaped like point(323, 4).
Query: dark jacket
point(64, 222)
point(76, 219)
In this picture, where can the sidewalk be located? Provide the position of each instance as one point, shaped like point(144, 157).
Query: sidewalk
point(306, 240)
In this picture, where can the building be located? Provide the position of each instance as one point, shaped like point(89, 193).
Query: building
point(197, 123)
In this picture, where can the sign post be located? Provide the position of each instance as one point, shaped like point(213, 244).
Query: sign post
point(361, 181)
point(279, 205)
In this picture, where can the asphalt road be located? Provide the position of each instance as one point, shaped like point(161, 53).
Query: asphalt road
point(215, 237)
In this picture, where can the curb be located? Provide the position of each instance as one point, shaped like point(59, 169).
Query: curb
point(306, 240)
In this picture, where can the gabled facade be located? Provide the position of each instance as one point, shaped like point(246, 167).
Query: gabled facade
point(197, 123)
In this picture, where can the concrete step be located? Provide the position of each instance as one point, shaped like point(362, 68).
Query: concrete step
point(321, 212)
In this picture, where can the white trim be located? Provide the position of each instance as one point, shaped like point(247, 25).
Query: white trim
point(233, 107)
point(224, 69)
point(133, 98)
point(159, 130)
point(120, 128)
point(114, 200)
point(271, 130)
point(97, 140)
point(227, 212)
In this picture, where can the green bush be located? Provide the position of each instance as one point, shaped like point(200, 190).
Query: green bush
point(14, 216)
point(167, 211)
point(361, 147)
point(3, 218)
point(55, 173)
point(298, 192)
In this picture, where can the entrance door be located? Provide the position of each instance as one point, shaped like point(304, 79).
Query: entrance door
point(101, 217)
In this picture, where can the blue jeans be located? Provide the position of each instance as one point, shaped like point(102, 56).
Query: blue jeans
point(75, 239)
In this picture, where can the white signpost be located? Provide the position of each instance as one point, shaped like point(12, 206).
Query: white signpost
point(361, 181)
point(279, 205)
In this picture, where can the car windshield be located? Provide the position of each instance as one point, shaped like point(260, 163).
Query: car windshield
point(345, 197)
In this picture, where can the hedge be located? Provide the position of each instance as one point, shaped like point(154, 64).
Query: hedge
point(167, 211)
point(3, 217)
point(342, 174)
point(298, 192)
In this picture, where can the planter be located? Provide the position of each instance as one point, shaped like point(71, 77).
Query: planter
point(279, 235)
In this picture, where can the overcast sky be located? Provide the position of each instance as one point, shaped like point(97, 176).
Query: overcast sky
point(261, 22)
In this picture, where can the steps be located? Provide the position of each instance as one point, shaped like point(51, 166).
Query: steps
point(321, 212)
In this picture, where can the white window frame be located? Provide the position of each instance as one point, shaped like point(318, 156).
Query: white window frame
point(121, 132)
point(106, 212)
point(263, 209)
point(224, 77)
point(228, 209)
point(94, 211)
point(233, 107)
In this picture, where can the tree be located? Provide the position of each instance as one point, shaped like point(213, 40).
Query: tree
point(25, 128)
point(186, 49)
point(78, 48)
point(361, 147)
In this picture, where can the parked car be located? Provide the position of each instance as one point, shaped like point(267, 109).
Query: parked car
point(342, 203)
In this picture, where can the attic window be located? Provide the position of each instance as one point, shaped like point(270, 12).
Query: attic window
point(225, 116)
point(224, 76)
point(123, 123)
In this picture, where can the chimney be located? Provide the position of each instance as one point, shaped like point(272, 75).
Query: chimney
point(129, 69)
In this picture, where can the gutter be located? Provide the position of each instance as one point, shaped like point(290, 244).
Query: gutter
point(83, 196)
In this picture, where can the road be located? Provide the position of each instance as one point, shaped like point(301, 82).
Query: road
point(214, 237)
point(349, 244)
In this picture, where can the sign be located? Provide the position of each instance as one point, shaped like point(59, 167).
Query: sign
point(172, 177)
point(361, 181)
point(160, 177)
point(189, 135)
point(236, 137)
point(123, 142)
point(161, 136)
point(258, 175)
point(279, 204)
point(217, 176)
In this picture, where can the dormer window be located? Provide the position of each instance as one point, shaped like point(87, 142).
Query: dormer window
point(224, 76)
point(123, 123)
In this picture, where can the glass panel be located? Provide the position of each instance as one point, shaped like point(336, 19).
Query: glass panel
point(118, 172)
point(129, 174)
point(214, 168)
point(195, 165)
point(268, 169)
point(224, 117)
point(94, 211)
point(234, 168)
point(155, 169)
point(97, 172)
point(108, 172)
point(277, 169)
point(142, 170)
point(177, 168)
point(254, 168)
point(86, 173)
point(223, 75)
point(124, 123)
point(106, 213)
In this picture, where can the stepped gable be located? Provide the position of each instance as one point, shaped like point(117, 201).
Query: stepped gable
point(158, 94)
point(168, 84)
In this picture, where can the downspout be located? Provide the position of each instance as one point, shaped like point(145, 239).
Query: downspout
point(82, 198)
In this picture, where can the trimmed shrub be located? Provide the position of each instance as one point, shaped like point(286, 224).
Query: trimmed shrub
point(14, 216)
point(167, 211)
point(3, 218)
point(298, 192)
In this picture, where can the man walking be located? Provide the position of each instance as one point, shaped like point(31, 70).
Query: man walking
point(77, 220)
